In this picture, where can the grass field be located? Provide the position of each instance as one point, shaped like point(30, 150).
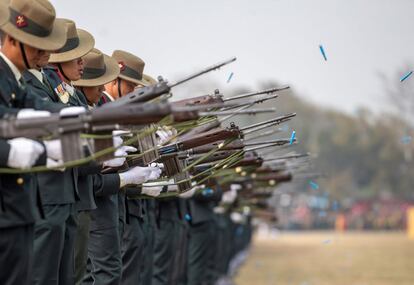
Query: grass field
point(326, 258)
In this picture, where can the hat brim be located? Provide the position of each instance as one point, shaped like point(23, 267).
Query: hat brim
point(149, 80)
point(4, 12)
point(86, 44)
point(134, 80)
point(52, 42)
point(111, 73)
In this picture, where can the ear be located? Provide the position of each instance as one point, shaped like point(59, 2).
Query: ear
point(12, 40)
point(7, 39)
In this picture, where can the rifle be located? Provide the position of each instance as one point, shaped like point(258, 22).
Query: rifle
point(259, 126)
point(162, 87)
point(228, 149)
point(217, 97)
point(216, 122)
point(99, 120)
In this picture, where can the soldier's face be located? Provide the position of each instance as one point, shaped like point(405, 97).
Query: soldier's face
point(93, 94)
point(35, 56)
point(43, 60)
point(127, 87)
point(73, 69)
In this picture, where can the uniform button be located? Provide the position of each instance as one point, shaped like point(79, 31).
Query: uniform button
point(20, 181)
point(13, 96)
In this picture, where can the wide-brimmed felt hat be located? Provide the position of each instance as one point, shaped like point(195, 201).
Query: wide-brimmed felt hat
point(33, 22)
point(149, 80)
point(4, 12)
point(131, 67)
point(99, 69)
point(78, 43)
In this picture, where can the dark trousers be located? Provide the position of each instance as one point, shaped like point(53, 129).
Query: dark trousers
point(16, 255)
point(54, 240)
point(200, 254)
point(147, 271)
point(133, 252)
point(164, 252)
point(170, 253)
point(104, 252)
point(181, 255)
point(81, 245)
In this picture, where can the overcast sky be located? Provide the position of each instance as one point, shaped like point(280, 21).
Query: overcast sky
point(273, 39)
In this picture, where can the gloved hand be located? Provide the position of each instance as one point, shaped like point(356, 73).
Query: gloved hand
point(54, 149)
point(119, 154)
point(236, 217)
point(155, 173)
point(116, 137)
point(118, 133)
point(50, 163)
point(152, 191)
point(136, 175)
point(31, 113)
point(229, 197)
point(235, 187)
point(165, 134)
point(72, 111)
point(190, 193)
point(24, 152)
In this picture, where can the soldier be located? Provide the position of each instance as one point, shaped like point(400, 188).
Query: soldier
point(105, 243)
point(201, 233)
point(58, 189)
point(29, 33)
point(131, 233)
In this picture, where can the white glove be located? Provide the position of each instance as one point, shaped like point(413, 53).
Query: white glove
point(229, 197)
point(152, 191)
point(165, 134)
point(121, 133)
point(31, 113)
point(72, 111)
point(190, 193)
point(119, 154)
point(235, 187)
point(236, 217)
point(155, 173)
point(50, 163)
point(117, 141)
point(24, 152)
point(54, 149)
point(136, 175)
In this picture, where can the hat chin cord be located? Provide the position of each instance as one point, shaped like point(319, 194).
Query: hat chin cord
point(62, 72)
point(119, 88)
point(24, 56)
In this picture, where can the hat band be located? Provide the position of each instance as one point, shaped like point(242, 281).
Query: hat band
point(93, 73)
point(129, 72)
point(70, 45)
point(27, 25)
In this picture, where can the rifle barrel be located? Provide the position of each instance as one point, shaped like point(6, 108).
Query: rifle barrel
point(253, 102)
point(270, 122)
point(250, 94)
point(204, 71)
point(279, 142)
point(241, 112)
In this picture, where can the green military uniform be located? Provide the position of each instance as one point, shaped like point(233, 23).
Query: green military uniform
point(104, 241)
point(170, 247)
point(55, 234)
point(201, 234)
point(150, 225)
point(18, 193)
point(133, 243)
point(134, 220)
